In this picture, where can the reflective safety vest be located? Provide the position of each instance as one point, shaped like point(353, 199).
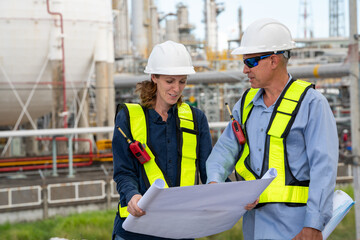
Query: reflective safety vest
point(285, 188)
point(187, 144)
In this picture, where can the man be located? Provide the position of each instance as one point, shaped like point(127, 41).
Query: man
point(288, 126)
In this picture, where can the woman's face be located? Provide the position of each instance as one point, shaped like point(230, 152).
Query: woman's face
point(169, 88)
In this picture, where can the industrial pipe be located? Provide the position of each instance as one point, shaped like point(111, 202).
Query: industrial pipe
point(62, 60)
point(12, 169)
point(309, 71)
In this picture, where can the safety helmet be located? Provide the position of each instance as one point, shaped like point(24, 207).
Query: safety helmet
point(265, 35)
point(169, 58)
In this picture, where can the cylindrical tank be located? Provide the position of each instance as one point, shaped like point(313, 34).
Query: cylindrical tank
point(211, 25)
point(31, 39)
point(122, 28)
point(172, 30)
point(182, 15)
point(138, 29)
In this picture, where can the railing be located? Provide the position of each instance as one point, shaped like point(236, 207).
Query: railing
point(76, 191)
point(20, 197)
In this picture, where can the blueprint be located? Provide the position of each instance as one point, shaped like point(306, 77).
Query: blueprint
point(195, 211)
point(341, 206)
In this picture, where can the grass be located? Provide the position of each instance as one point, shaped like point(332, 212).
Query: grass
point(90, 225)
point(98, 226)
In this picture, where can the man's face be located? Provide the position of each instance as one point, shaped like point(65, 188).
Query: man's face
point(257, 68)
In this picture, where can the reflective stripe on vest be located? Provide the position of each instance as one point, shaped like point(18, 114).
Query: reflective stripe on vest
point(188, 144)
point(281, 121)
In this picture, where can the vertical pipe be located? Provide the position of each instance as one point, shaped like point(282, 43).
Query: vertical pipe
point(71, 171)
point(45, 200)
point(240, 22)
point(138, 30)
point(54, 165)
point(62, 60)
point(154, 26)
point(102, 98)
point(354, 100)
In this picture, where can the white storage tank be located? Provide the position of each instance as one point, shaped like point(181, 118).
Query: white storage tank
point(30, 38)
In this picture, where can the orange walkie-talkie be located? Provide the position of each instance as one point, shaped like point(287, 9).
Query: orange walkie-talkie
point(236, 128)
point(137, 149)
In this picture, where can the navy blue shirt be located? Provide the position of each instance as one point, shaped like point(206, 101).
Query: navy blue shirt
point(127, 170)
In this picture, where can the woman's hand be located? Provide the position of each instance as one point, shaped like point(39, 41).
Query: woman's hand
point(251, 205)
point(133, 208)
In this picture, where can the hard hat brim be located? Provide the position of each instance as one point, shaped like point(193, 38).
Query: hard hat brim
point(171, 71)
point(249, 50)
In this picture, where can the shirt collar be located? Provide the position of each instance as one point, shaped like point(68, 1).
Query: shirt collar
point(156, 118)
point(258, 100)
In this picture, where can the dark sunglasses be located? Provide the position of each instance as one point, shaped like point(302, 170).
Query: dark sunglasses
point(254, 61)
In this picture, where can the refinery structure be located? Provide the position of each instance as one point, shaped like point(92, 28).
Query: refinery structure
point(66, 64)
point(67, 68)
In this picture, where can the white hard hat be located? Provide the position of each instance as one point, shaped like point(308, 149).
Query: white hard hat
point(265, 35)
point(169, 58)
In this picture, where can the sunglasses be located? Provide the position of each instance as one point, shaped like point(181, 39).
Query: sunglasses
point(254, 61)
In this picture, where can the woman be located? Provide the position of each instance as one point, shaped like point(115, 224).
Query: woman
point(176, 136)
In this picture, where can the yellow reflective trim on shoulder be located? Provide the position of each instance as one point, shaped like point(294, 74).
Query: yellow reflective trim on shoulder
point(287, 105)
point(184, 112)
point(296, 89)
point(189, 146)
point(137, 122)
point(123, 211)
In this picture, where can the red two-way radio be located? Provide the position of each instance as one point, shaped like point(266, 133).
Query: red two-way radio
point(236, 128)
point(137, 149)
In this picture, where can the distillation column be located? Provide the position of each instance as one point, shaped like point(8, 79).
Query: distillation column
point(104, 70)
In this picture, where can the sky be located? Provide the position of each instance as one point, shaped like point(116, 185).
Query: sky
point(289, 12)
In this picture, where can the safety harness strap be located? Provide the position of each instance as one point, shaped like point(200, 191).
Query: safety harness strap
point(188, 145)
point(139, 131)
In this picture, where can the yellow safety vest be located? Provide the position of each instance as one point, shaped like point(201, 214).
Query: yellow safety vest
point(187, 146)
point(284, 188)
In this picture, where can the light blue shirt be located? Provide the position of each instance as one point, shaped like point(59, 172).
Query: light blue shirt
point(312, 150)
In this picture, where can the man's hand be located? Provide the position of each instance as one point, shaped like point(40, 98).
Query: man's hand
point(308, 233)
point(133, 208)
point(252, 205)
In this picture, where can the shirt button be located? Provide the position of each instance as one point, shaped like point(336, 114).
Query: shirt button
point(262, 130)
point(168, 140)
point(258, 169)
point(259, 149)
point(169, 160)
